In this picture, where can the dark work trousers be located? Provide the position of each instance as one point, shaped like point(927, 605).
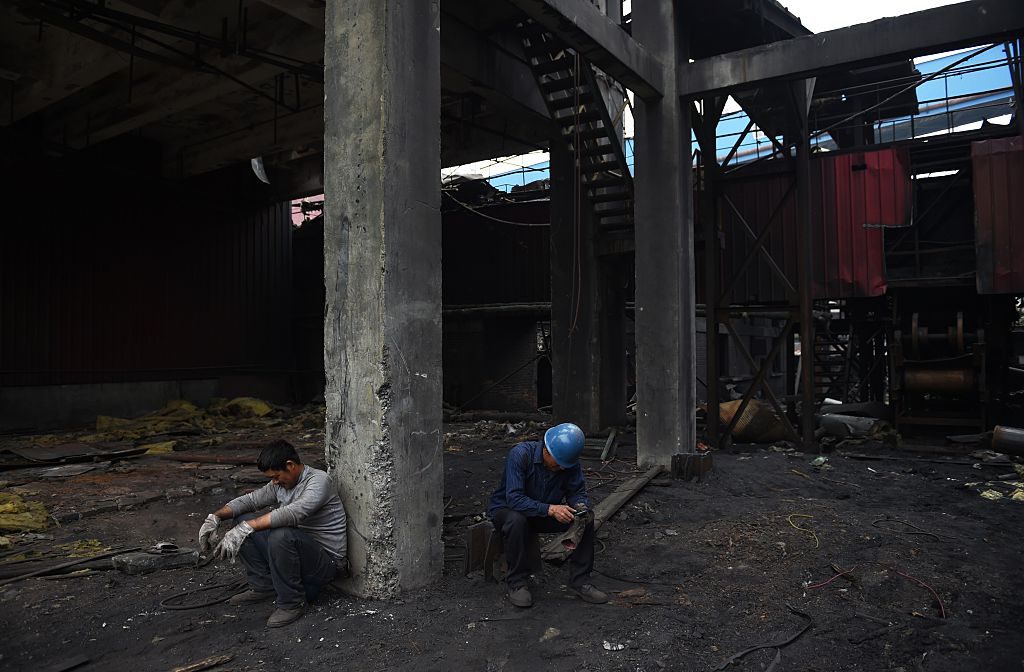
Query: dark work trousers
point(287, 561)
point(515, 530)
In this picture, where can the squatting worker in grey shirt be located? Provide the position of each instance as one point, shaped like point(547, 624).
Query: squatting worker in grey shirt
point(296, 548)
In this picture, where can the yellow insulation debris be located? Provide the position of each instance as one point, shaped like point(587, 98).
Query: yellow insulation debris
point(178, 415)
point(17, 515)
point(83, 548)
point(159, 448)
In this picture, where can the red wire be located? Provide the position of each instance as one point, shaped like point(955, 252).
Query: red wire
point(942, 607)
point(825, 583)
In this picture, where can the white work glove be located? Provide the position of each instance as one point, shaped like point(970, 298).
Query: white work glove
point(208, 532)
point(228, 547)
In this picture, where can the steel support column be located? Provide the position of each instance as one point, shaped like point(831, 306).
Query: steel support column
point(706, 131)
point(665, 303)
point(802, 94)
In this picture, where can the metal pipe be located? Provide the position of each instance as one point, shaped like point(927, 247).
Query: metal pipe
point(1009, 440)
point(939, 380)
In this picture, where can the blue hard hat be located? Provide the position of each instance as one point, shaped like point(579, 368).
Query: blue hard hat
point(565, 443)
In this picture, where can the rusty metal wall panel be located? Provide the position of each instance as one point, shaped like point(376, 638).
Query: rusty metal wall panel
point(111, 285)
point(999, 215)
point(855, 196)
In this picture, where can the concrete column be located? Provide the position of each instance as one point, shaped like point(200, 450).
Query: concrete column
point(382, 243)
point(587, 302)
point(665, 302)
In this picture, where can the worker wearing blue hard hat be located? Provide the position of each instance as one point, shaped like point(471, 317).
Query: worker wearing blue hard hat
point(542, 489)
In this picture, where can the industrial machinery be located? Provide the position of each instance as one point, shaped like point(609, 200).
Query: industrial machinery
point(947, 356)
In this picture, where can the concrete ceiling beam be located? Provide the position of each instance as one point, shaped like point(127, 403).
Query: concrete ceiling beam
point(133, 101)
point(68, 63)
point(931, 31)
point(310, 12)
point(257, 138)
point(487, 69)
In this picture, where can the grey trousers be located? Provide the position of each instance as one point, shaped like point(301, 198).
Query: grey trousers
point(287, 561)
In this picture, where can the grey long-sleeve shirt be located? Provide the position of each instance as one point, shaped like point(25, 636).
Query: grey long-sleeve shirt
point(312, 505)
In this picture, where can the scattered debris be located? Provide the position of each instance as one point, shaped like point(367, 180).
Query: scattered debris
point(992, 495)
point(17, 515)
point(850, 426)
point(867, 409)
point(83, 548)
point(550, 634)
point(819, 461)
point(64, 565)
point(757, 424)
point(161, 556)
point(608, 646)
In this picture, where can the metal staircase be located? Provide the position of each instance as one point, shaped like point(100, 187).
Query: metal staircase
point(573, 98)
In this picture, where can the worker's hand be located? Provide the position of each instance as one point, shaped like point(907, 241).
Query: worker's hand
point(561, 513)
point(228, 547)
point(208, 532)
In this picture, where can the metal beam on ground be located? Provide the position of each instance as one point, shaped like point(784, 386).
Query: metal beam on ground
point(917, 34)
point(604, 43)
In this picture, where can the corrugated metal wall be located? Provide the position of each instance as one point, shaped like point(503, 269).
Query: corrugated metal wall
point(855, 196)
point(999, 219)
point(106, 280)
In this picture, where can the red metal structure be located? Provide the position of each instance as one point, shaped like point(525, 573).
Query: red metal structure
point(999, 206)
point(855, 195)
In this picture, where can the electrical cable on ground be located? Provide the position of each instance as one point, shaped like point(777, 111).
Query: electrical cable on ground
point(817, 544)
point(914, 529)
point(229, 588)
point(935, 594)
point(771, 645)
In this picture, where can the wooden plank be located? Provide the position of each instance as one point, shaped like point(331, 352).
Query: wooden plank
point(605, 509)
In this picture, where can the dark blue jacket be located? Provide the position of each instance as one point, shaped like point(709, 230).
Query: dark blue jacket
point(528, 487)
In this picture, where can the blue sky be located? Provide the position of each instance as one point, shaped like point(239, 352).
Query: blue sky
point(990, 73)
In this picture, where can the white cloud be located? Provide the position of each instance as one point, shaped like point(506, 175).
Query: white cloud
point(820, 16)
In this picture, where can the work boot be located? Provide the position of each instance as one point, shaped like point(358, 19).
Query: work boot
point(520, 597)
point(252, 597)
point(285, 616)
point(588, 593)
